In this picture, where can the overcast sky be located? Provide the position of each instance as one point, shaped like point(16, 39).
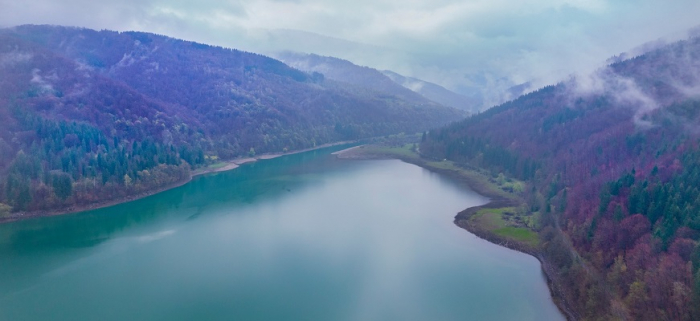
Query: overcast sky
point(459, 44)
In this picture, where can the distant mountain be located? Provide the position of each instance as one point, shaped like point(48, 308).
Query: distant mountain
point(613, 163)
point(270, 41)
point(88, 116)
point(370, 78)
point(349, 73)
point(482, 86)
point(435, 92)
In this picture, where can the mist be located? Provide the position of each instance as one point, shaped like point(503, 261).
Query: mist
point(662, 75)
point(478, 48)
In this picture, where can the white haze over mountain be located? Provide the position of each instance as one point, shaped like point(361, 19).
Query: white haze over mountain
point(475, 47)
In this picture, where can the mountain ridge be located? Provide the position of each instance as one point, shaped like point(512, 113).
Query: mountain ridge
point(345, 71)
point(434, 92)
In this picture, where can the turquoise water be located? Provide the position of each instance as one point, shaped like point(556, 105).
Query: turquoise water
point(300, 237)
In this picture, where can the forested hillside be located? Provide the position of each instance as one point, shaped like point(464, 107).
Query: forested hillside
point(614, 167)
point(88, 116)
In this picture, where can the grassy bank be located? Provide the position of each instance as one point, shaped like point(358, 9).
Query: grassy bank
point(506, 223)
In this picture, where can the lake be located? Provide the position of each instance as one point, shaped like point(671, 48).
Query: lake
point(299, 237)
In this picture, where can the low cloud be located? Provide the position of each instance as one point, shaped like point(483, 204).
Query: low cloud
point(623, 90)
point(43, 82)
point(661, 75)
point(14, 57)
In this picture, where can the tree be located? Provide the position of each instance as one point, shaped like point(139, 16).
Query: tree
point(62, 185)
point(24, 196)
point(637, 299)
point(5, 210)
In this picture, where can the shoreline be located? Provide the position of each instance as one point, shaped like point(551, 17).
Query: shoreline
point(230, 165)
point(496, 200)
point(20, 216)
point(237, 162)
point(340, 152)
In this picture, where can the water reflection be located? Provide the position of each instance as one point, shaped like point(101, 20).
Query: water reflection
point(252, 182)
point(295, 238)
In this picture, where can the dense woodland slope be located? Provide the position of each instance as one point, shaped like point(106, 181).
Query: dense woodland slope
point(614, 166)
point(372, 79)
point(88, 116)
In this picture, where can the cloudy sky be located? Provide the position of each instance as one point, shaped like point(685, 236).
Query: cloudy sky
point(484, 44)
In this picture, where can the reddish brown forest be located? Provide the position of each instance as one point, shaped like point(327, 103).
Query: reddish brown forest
point(88, 115)
point(615, 171)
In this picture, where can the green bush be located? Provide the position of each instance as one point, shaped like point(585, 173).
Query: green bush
point(5, 210)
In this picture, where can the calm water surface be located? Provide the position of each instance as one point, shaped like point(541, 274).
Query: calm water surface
point(301, 237)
